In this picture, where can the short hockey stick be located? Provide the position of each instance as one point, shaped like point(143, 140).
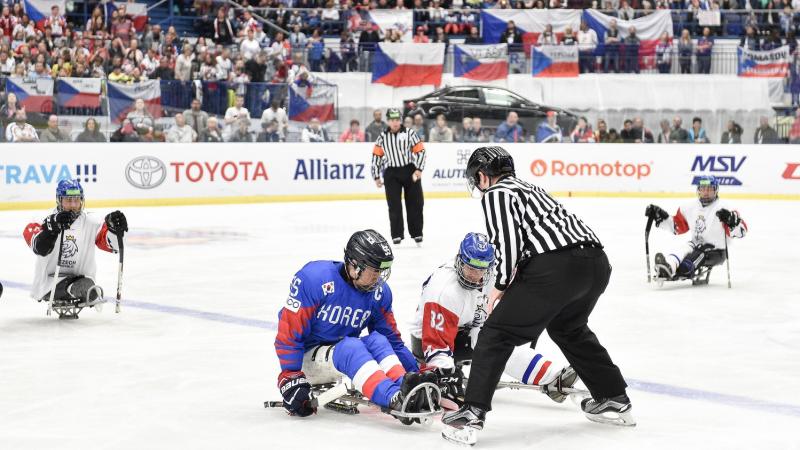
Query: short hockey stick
point(321, 400)
point(56, 275)
point(121, 246)
point(647, 244)
point(727, 260)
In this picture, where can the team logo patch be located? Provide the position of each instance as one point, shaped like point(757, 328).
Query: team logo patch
point(69, 248)
point(327, 288)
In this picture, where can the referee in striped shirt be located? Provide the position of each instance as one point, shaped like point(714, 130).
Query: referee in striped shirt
point(402, 153)
point(550, 272)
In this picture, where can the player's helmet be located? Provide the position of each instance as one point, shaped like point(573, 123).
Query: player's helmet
point(477, 253)
point(492, 161)
point(707, 189)
point(369, 249)
point(68, 188)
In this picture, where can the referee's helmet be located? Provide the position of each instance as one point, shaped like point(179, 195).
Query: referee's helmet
point(492, 161)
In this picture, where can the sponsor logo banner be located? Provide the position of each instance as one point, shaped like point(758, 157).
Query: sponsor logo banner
point(724, 167)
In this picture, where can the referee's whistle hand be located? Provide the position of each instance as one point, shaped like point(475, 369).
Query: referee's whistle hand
point(378, 183)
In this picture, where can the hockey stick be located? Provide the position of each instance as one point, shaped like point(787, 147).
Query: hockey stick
point(321, 400)
point(56, 275)
point(647, 244)
point(727, 260)
point(119, 271)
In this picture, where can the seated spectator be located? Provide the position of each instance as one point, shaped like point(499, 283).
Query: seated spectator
point(473, 37)
point(440, 132)
point(376, 127)
point(733, 133)
point(510, 130)
point(765, 134)
point(627, 134)
point(140, 116)
point(477, 133)
point(223, 29)
point(685, 50)
point(642, 135)
point(613, 137)
point(314, 132)
point(664, 136)
point(278, 114)
point(697, 134)
point(704, 46)
point(52, 133)
point(241, 131)
point(353, 134)
point(587, 43)
point(419, 126)
point(212, 133)
point(664, 54)
point(440, 37)
point(463, 129)
point(421, 37)
point(582, 133)
point(234, 114)
point(125, 133)
point(547, 37)
point(91, 132)
point(20, 130)
point(181, 132)
point(196, 117)
point(511, 35)
point(269, 133)
point(548, 130)
point(601, 135)
point(679, 135)
point(569, 37)
point(625, 11)
point(408, 122)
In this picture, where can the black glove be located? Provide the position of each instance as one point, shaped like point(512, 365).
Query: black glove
point(658, 214)
point(54, 223)
point(451, 383)
point(731, 219)
point(116, 222)
point(296, 392)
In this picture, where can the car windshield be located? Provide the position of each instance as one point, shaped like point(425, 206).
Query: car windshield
point(497, 97)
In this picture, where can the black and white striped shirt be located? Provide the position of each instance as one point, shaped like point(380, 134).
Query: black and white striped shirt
point(397, 150)
point(524, 220)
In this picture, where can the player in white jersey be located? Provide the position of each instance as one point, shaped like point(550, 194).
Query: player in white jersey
point(82, 232)
point(710, 222)
point(450, 315)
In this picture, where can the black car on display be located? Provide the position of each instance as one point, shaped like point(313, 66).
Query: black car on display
point(491, 104)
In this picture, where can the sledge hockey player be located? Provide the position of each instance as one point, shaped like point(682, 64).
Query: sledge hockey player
point(710, 222)
point(450, 315)
point(81, 233)
point(330, 303)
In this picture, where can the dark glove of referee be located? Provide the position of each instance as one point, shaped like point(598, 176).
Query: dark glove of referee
point(656, 213)
point(731, 219)
point(451, 383)
point(116, 222)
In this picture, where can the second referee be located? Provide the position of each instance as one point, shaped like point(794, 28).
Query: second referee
point(400, 151)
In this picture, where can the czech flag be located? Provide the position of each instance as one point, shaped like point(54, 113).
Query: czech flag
point(79, 92)
point(315, 101)
point(765, 64)
point(648, 28)
point(34, 96)
point(136, 11)
point(529, 22)
point(121, 98)
point(555, 61)
point(408, 64)
point(39, 10)
point(388, 19)
point(481, 62)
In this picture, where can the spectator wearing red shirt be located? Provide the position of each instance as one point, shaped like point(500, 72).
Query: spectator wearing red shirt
point(56, 22)
point(794, 132)
point(353, 134)
point(582, 133)
point(123, 27)
point(421, 37)
point(7, 22)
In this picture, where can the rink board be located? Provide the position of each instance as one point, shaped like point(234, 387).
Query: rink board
point(178, 174)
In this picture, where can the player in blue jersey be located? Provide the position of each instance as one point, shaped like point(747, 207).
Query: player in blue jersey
point(330, 303)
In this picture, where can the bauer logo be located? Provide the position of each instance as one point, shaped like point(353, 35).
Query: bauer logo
point(614, 169)
point(146, 172)
point(723, 167)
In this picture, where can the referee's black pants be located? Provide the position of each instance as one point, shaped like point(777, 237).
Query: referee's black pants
point(395, 181)
point(554, 291)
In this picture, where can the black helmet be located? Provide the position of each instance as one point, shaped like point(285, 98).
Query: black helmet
point(369, 249)
point(492, 161)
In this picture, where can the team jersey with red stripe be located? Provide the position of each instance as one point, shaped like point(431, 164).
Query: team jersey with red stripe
point(703, 224)
point(323, 308)
point(77, 255)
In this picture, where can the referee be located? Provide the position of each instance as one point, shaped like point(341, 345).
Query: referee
point(402, 153)
point(550, 271)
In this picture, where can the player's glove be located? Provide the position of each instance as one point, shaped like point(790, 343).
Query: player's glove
point(658, 214)
point(54, 223)
point(116, 222)
point(451, 383)
point(296, 392)
point(731, 219)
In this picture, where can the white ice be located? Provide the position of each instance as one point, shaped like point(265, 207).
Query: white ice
point(709, 367)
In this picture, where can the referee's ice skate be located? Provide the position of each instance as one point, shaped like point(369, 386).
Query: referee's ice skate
point(612, 411)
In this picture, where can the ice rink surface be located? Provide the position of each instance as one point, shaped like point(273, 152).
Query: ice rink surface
point(190, 360)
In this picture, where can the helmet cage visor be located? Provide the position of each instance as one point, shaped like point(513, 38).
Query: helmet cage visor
point(485, 267)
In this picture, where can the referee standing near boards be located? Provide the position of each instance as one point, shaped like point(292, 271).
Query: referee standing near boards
point(402, 153)
point(551, 269)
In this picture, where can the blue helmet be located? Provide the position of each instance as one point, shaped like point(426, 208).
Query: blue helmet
point(68, 188)
point(706, 181)
point(478, 253)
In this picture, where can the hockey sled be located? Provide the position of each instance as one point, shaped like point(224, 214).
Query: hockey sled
point(344, 399)
point(701, 274)
point(69, 308)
